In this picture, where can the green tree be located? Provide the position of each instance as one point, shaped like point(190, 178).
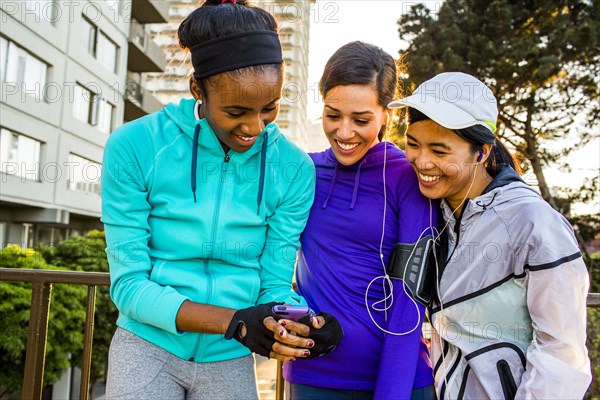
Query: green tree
point(395, 131)
point(588, 226)
point(541, 58)
point(65, 324)
point(86, 253)
point(593, 345)
point(593, 331)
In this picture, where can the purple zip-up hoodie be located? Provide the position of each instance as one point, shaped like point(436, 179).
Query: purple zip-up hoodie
point(339, 258)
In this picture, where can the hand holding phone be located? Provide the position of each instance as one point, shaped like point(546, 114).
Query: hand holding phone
point(295, 313)
point(325, 338)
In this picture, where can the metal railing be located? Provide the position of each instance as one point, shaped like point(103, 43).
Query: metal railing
point(41, 290)
point(42, 281)
point(593, 300)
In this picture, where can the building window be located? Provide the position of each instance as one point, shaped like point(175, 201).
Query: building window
point(103, 116)
point(76, 233)
point(20, 67)
point(82, 103)
point(47, 10)
point(3, 58)
point(179, 11)
point(84, 174)
point(98, 45)
point(19, 155)
point(283, 115)
point(27, 236)
point(50, 235)
point(91, 108)
point(107, 52)
point(88, 36)
point(3, 238)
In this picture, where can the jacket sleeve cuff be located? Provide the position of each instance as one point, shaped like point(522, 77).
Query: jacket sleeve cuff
point(162, 310)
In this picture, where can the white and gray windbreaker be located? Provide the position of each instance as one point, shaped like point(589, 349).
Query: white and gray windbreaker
point(513, 316)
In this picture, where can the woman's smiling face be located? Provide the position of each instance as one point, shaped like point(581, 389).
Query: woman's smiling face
point(444, 162)
point(352, 119)
point(239, 108)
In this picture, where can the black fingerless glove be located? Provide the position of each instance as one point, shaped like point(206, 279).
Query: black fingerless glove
point(258, 338)
point(327, 338)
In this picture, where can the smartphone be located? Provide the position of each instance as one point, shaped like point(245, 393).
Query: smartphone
point(294, 313)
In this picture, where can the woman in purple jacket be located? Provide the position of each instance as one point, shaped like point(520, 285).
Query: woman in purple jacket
point(367, 200)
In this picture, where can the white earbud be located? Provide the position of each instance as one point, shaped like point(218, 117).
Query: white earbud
point(197, 109)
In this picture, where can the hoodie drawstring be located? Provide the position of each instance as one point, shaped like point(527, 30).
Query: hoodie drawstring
point(263, 160)
point(485, 206)
point(335, 175)
point(356, 184)
point(195, 158)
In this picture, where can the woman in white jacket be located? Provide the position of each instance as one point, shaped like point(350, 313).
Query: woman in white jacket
point(509, 312)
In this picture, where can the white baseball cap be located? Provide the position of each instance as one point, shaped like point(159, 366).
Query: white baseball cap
point(454, 100)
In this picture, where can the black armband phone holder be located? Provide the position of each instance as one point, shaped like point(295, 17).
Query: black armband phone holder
point(414, 264)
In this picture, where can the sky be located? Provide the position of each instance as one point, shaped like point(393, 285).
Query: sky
point(335, 23)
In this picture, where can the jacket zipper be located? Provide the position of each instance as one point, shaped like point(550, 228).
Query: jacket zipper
point(445, 348)
point(457, 231)
point(448, 377)
point(463, 385)
point(213, 236)
point(459, 353)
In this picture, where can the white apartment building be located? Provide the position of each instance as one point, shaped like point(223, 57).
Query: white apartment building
point(294, 23)
point(70, 73)
point(316, 139)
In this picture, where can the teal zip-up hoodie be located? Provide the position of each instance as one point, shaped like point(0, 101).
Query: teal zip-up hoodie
point(229, 240)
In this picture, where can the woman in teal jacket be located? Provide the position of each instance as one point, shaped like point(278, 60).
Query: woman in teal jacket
point(203, 206)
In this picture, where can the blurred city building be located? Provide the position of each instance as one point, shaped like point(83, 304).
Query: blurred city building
point(71, 72)
point(315, 138)
point(294, 25)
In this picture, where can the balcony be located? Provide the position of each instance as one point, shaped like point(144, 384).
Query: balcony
point(143, 54)
point(139, 101)
point(150, 11)
point(169, 85)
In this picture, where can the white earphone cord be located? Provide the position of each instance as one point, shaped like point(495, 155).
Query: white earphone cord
point(385, 276)
point(386, 279)
point(437, 274)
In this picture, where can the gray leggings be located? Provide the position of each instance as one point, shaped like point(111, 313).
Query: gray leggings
point(138, 370)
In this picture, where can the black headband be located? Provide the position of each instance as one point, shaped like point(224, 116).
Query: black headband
point(236, 51)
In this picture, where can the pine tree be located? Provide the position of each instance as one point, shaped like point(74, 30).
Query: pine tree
point(541, 59)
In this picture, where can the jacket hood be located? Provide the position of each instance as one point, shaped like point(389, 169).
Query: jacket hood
point(505, 176)
point(202, 135)
point(375, 157)
point(182, 115)
point(507, 186)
